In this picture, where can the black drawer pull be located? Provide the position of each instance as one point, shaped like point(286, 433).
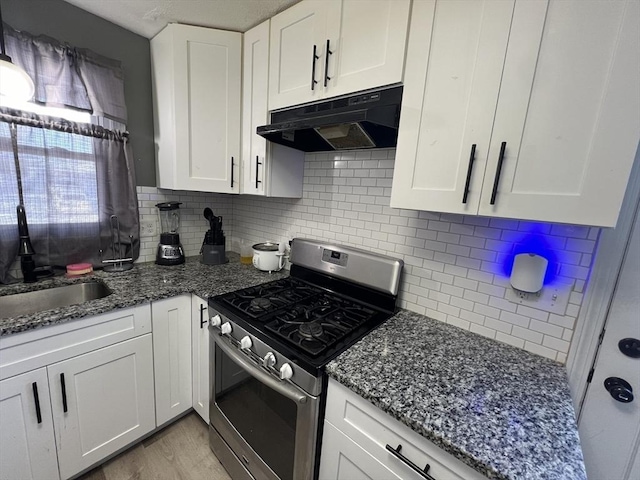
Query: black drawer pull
point(64, 393)
point(496, 180)
point(423, 473)
point(36, 399)
point(472, 158)
point(231, 172)
point(203, 322)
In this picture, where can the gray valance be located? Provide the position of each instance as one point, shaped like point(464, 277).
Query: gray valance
point(69, 77)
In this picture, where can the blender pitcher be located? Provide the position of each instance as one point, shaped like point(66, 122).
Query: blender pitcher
point(170, 250)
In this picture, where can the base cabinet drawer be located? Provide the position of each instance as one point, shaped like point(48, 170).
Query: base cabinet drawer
point(371, 429)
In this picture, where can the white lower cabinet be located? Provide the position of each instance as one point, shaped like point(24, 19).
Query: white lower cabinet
point(200, 358)
point(101, 402)
point(171, 320)
point(355, 437)
point(27, 444)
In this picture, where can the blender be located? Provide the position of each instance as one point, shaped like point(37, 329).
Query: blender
point(169, 249)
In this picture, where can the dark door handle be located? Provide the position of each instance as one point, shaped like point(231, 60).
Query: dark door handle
point(424, 473)
point(36, 400)
point(496, 179)
point(203, 322)
point(258, 163)
point(619, 389)
point(231, 172)
point(313, 67)
point(326, 65)
point(64, 393)
point(472, 158)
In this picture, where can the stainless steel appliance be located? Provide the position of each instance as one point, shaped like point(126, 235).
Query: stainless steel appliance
point(269, 345)
point(170, 250)
point(363, 120)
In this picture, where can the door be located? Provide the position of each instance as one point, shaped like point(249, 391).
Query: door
point(172, 356)
point(255, 92)
point(101, 402)
point(367, 40)
point(609, 428)
point(200, 343)
point(454, 62)
point(207, 77)
point(27, 444)
point(298, 37)
point(567, 113)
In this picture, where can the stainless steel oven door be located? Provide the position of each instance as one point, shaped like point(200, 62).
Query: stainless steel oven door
point(270, 424)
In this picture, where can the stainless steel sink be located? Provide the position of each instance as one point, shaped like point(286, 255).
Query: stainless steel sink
point(50, 298)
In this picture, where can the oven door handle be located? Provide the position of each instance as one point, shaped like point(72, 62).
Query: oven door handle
point(256, 372)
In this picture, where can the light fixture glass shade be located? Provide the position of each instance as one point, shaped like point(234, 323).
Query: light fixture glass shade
point(15, 83)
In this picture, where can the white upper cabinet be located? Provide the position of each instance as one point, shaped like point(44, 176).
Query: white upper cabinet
point(532, 113)
point(196, 75)
point(327, 48)
point(267, 169)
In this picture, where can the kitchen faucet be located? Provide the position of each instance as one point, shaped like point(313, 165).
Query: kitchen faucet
point(26, 251)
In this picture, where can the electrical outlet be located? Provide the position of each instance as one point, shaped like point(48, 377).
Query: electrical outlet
point(552, 298)
point(148, 228)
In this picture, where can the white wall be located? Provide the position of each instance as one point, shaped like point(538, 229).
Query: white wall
point(453, 263)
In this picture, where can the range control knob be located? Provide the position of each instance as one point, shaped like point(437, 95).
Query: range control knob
point(245, 342)
point(216, 321)
point(225, 328)
point(286, 372)
point(269, 360)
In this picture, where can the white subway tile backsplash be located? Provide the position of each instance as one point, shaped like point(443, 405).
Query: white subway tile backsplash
point(453, 263)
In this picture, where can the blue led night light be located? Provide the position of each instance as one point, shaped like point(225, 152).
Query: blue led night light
point(533, 242)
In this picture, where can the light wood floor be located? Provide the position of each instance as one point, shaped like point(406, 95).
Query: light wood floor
point(178, 452)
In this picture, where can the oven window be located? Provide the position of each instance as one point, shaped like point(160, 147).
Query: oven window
point(264, 418)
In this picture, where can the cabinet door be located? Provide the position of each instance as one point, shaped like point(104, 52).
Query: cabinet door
point(101, 401)
point(171, 320)
point(200, 343)
point(568, 112)
point(367, 39)
point(294, 75)
point(27, 444)
point(454, 61)
point(205, 93)
point(255, 83)
point(342, 458)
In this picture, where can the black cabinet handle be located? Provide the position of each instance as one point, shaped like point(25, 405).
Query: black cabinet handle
point(64, 393)
point(472, 158)
point(258, 163)
point(36, 400)
point(326, 65)
point(423, 473)
point(313, 68)
point(231, 172)
point(203, 322)
point(496, 180)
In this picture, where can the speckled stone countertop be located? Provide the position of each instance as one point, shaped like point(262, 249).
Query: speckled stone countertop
point(501, 410)
point(145, 282)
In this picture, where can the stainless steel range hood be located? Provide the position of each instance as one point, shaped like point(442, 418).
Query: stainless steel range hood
point(364, 120)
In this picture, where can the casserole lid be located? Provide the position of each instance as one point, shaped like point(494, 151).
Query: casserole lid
point(266, 247)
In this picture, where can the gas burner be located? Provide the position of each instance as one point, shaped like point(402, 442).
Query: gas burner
point(310, 330)
point(260, 303)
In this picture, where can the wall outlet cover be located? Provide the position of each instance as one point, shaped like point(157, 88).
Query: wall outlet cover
point(148, 228)
point(552, 298)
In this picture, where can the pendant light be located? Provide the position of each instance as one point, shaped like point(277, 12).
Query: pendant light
point(15, 83)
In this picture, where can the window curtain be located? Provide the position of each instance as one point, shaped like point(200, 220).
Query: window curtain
point(69, 77)
point(71, 178)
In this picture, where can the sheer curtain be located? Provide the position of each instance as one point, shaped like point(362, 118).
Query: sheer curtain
point(70, 177)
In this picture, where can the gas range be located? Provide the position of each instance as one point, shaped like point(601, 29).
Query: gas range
point(269, 346)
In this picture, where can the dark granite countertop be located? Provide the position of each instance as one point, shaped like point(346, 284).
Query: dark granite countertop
point(145, 282)
point(501, 410)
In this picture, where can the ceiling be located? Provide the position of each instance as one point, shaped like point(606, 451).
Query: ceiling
point(148, 17)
